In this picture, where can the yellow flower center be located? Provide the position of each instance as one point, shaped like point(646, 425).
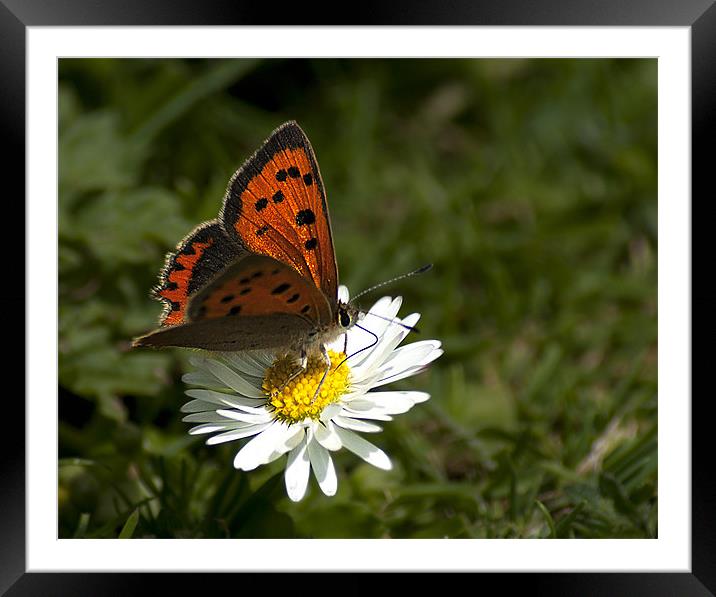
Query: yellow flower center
point(294, 400)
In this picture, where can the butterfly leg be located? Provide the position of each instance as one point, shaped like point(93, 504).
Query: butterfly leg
point(301, 368)
point(324, 352)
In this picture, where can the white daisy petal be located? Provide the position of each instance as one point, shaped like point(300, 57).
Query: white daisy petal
point(198, 361)
point(375, 414)
point(225, 425)
point(297, 470)
point(360, 404)
point(412, 353)
point(390, 378)
point(388, 318)
point(356, 425)
point(234, 380)
point(196, 406)
point(212, 416)
point(261, 447)
point(252, 410)
point(244, 364)
point(376, 321)
point(330, 411)
point(206, 428)
point(201, 378)
point(394, 336)
point(386, 309)
point(293, 440)
point(409, 357)
point(343, 294)
point(326, 436)
point(390, 340)
point(416, 397)
point(367, 451)
point(260, 359)
point(275, 455)
point(382, 307)
point(252, 417)
point(293, 437)
point(323, 469)
point(224, 399)
point(395, 403)
point(234, 434)
point(362, 383)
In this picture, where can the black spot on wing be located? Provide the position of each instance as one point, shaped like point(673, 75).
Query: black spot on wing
point(287, 136)
point(281, 288)
point(305, 216)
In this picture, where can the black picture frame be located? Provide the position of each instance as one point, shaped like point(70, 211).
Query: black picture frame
point(17, 15)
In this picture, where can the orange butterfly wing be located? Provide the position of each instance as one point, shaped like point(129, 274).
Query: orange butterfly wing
point(260, 285)
point(275, 205)
point(200, 256)
point(255, 303)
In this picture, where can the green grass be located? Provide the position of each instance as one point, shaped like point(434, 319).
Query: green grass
point(531, 186)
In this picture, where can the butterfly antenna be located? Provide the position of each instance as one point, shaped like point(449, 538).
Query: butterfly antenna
point(410, 328)
point(375, 341)
point(420, 270)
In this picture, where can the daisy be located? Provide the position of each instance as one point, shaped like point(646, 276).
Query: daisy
point(245, 395)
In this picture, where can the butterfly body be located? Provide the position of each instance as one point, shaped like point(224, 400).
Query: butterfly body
point(262, 275)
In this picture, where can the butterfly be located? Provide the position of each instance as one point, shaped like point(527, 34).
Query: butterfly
point(263, 275)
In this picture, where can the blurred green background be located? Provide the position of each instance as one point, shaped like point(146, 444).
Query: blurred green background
point(530, 184)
